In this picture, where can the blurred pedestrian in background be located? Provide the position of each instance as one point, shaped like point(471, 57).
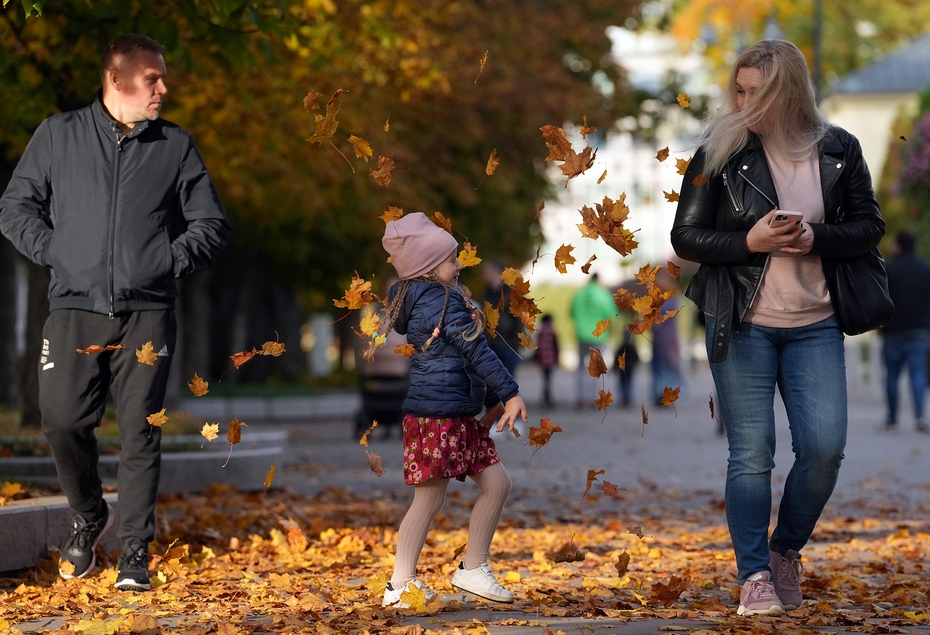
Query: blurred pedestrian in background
point(547, 355)
point(591, 304)
point(507, 341)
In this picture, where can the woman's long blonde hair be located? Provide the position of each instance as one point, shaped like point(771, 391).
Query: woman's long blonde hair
point(783, 108)
point(397, 302)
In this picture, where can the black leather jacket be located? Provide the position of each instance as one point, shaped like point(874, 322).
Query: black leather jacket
point(714, 218)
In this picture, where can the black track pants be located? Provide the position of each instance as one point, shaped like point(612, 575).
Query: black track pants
point(73, 396)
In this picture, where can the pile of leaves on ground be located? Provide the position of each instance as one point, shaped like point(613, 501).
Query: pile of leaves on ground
point(229, 563)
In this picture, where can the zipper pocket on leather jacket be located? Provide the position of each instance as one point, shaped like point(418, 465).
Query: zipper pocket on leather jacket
point(733, 201)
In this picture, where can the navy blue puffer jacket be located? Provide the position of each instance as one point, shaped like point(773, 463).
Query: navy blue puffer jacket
point(453, 377)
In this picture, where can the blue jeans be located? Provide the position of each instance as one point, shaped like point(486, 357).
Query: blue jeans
point(808, 366)
point(908, 348)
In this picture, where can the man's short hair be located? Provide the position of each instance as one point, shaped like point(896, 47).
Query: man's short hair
point(122, 53)
point(905, 240)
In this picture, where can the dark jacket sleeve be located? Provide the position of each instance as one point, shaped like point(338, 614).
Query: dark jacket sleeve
point(208, 230)
point(22, 219)
point(861, 227)
point(695, 236)
point(458, 321)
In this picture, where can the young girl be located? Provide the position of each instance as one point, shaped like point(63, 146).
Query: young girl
point(454, 374)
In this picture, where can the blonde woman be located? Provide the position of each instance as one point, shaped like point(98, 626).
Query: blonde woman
point(773, 193)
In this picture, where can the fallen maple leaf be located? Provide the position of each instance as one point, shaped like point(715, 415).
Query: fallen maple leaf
point(586, 267)
point(623, 561)
point(405, 350)
point(493, 161)
point(601, 327)
point(146, 354)
point(670, 395)
point(681, 165)
point(441, 221)
point(683, 100)
point(604, 399)
point(662, 154)
point(468, 257)
point(375, 463)
point(198, 386)
point(596, 364)
point(526, 342)
point(242, 357)
point(667, 594)
point(563, 257)
point(357, 296)
point(145, 625)
point(610, 490)
point(364, 438)
point(481, 63)
point(671, 197)
point(9, 490)
point(157, 419)
point(392, 213)
point(362, 147)
point(310, 100)
point(382, 175)
point(210, 431)
point(94, 348)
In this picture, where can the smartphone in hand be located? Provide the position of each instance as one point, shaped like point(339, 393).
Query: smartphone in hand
point(780, 219)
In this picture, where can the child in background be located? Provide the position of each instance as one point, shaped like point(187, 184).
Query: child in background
point(547, 355)
point(454, 374)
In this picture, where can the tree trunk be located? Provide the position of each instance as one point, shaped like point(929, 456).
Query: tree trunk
point(36, 314)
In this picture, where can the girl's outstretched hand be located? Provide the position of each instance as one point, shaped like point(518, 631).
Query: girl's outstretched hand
point(491, 414)
point(512, 409)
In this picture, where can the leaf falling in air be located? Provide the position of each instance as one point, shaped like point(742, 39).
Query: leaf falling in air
point(671, 197)
point(269, 478)
point(601, 327)
point(157, 419)
point(198, 386)
point(585, 129)
point(623, 561)
point(493, 161)
point(370, 323)
point(364, 438)
point(621, 361)
point(681, 165)
point(540, 436)
point(392, 213)
point(273, 349)
point(481, 63)
point(242, 357)
point(234, 436)
point(526, 342)
point(645, 419)
point(310, 100)
point(673, 270)
point(670, 395)
point(603, 176)
point(586, 267)
point(94, 348)
point(636, 531)
point(662, 154)
point(405, 350)
point(610, 490)
point(357, 296)
point(604, 399)
point(539, 209)
point(493, 316)
point(387, 124)
point(441, 221)
point(468, 257)
point(605, 221)
point(362, 147)
point(375, 463)
point(146, 354)
point(325, 126)
point(596, 364)
point(210, 431)
point(683, 100)
point(382, 175)
point(564, 257)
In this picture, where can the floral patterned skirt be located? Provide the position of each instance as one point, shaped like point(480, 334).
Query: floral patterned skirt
point(445, 448)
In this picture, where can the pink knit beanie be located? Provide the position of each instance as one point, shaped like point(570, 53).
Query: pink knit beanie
point(417, 245)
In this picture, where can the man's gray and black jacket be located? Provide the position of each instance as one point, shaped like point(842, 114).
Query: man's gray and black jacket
point(116, 217)
point(715, 214)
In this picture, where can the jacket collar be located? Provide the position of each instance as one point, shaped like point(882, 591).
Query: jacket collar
point(109, 125)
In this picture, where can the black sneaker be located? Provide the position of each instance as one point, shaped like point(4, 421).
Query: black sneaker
point(133, 571)
point(79, 550)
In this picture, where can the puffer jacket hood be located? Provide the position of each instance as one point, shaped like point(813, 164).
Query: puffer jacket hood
point(454, 377)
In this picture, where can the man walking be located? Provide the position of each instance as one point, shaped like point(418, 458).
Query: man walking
point(590, 305)
point(905, 338)
point(118, 203)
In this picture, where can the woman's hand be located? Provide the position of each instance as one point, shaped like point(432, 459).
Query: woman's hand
point(804, 242)
point(512, 409)
point(763, 238)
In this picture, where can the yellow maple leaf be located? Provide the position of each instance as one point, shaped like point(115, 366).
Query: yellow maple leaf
point(171, 564)
point(198, 386)
point(146, 354)
point(510, 276)
point(671, 197)
point(9, 489)
point(273, 349)
point(157, 419)
point(601, 327)
point(682, 165)
point(621, 361)
point(364, 438)
point(563, 257)
point(370, 322)
point(683, 100)
point(362, 147)
point(414, 597)
point(493, 316)
point(526, 341)
point(468, 257)
point(325, 126)
point(357, 296)
point(210, 431)
point(493, 161)
point(392, 213)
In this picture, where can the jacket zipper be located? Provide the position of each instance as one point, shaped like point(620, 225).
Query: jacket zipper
point(113, 202)
point(767, 256)
point(726, 185)
point(758, 189)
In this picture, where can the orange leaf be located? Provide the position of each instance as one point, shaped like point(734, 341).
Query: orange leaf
point(375, 463)
point(604, 399)
point(586, 129)
point(441, 221)
point(493, 161)
point(563, 257)
point(210, 431)
point(601, 327)
point(610, 490)
point(526, 341)
point(171, 562)
point(325, 126)
point(468, 257)
point(540, 436)
point(405, 350)
point(606, 221)
point(662, 154)
point(671, 197)
point(242, 357)
point(364, 439)
point(269, 476)
point(511, 276)
point(158, 419)
point(93, 348)
point(382, 175)
point(146, 354)
point(670, 395)
point(673, 270)
point(603, 176)
point(310, 100)
point(586, 267)
point(357, 296)
point(234, 435)
point(667, 594)
point(198, 386)
point(387, 124)
point(682, 165)
point(559, 147)
point(392, 213)
point(578, 163)
point(592, 476)
point(493, 317)
point(621, 361)
point(296, 537)
point(596, 365)
point(362, 147)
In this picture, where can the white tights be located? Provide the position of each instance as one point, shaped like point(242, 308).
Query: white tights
point(428, 499)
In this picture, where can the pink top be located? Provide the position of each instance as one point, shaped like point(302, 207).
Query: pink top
point(793, 291)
